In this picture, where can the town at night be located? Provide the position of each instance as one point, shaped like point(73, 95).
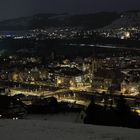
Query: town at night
point(68, 72)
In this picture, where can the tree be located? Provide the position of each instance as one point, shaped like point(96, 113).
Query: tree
point(122, 106)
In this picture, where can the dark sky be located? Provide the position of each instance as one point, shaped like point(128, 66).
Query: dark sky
point(17, 8)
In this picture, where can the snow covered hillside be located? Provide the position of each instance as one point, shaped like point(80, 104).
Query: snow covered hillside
point(47, 130)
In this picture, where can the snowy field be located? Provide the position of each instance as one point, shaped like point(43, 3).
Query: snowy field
point(60, 117)
point(53, 130)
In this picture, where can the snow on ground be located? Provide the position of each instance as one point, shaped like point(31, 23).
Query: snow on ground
point(48, 130)
point(61, 117)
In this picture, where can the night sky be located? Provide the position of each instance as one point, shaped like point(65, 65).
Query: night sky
point(17, 8)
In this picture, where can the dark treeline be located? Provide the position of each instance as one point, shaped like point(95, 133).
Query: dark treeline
point(121, 115)
point(63, 47)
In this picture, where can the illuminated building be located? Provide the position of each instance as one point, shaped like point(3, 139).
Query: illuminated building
point(131, 88)
point(107, 80)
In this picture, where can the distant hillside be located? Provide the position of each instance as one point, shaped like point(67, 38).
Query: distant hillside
point(127, 19)
point(96, 20)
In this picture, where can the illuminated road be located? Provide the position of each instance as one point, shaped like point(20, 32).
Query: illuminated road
point(61, 95)
point(37, 92)
point(75, 97)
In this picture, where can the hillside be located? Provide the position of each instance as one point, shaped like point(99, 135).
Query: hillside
point(96, 20)
point(43, 130)
point(126, 20)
